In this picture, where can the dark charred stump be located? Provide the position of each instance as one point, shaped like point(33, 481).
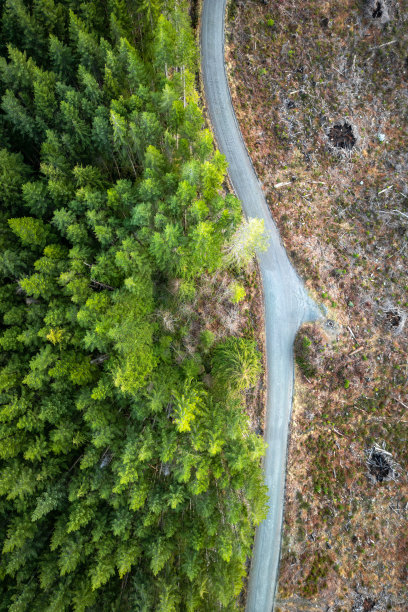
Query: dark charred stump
point(393, 318)
point(341, 136)
point(368, 604)
point(379, 466)
point(378, 11)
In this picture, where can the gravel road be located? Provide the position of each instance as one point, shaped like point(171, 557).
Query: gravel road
point(287, 304)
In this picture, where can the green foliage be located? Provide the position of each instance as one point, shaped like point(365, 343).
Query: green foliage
point(30, 231)
point(249, 238)
point(13, 173)
point(207, 339)
point(125, 482)
point(237, 292)
point(237, 363)
point(303, 347)
point(316, 579)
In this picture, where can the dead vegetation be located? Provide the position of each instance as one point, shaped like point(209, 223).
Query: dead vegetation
point(381, 465)
point(210, 314)
point(321, 93)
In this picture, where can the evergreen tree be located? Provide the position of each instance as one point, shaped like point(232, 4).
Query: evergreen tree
point(126, 481)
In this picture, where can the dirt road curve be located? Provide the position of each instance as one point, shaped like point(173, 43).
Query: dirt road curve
point(287, 304)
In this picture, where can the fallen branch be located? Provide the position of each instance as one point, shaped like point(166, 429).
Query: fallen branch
point(386, 189)
point(393, 212)
point(360, 348)
point(400, 402)
point(96, 283)
point(391, 42)
point(278, 185)
point(99, 359)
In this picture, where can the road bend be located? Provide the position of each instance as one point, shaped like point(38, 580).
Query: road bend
point(287, 304)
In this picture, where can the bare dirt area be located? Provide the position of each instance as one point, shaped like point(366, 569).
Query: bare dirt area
point(321, 94)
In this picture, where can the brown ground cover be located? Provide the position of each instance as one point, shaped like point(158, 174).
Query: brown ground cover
point(213, 311)
point(321, 93)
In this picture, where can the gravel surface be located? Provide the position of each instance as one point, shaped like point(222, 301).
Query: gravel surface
point(287, 304)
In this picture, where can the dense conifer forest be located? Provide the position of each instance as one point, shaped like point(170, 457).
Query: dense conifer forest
point(129, 476)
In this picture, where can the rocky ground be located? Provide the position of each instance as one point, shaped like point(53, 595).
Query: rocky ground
point(321, 93)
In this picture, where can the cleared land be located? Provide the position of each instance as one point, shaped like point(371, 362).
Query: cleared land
point(321, 90)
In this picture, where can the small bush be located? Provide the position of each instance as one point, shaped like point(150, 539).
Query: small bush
point(207, 339)
point(236, 363)
point(303, 354)
point(237, 293)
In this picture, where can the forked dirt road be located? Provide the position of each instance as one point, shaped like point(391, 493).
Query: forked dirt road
point(287, 304)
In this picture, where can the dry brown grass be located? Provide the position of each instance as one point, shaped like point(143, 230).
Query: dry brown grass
point(212, 310)
point(317, 65)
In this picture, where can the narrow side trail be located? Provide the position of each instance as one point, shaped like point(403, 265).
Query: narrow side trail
point(287, 304)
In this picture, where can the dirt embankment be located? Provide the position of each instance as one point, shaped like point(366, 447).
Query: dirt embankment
point(321, 93)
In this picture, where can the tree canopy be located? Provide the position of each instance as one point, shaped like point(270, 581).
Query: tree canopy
point(127, 482)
